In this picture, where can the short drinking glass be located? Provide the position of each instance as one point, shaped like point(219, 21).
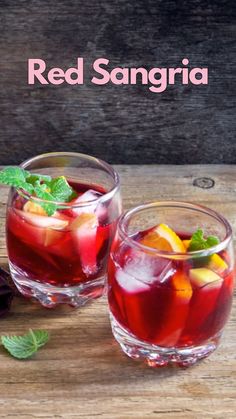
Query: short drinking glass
point(170, 306)
point(62, 258)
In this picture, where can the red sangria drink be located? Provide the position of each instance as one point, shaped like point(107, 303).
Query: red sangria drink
point(60, 224)
point(170, 282)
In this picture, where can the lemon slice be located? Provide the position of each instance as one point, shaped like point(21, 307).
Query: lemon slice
point(165, 239)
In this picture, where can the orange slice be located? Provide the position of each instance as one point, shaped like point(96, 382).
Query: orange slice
point(186, 243)
point(34, 208)
point(165, 239)
point(182, 286)
point(176, 313)
point(86, 220)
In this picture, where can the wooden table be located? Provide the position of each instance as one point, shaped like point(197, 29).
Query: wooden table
point(82, 373)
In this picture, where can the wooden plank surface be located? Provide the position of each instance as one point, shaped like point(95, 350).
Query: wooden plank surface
point(82, 372)
point(121, 124)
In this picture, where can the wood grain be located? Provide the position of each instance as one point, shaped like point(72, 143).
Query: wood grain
point(121, 124)
point(82, 372)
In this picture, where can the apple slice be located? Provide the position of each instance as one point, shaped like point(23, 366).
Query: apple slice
point(84, 231)
point(217, 264)
point(42, 220)
point(40, 229)
point(207, 288)
point(203, 276)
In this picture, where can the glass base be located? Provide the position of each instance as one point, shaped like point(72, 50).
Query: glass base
point(50, 296)
point(157, 356)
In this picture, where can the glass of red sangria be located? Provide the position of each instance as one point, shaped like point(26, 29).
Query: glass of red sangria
point(60, 224)
point(170, 282)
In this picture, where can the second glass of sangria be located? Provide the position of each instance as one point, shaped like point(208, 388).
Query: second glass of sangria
point(170, 282)
point(58, 250)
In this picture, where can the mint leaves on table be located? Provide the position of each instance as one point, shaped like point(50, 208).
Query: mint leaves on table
point(198, 242)
point(25, 346)
point(41, 186)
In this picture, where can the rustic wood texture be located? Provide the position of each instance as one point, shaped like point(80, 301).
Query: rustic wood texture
point(122, 124)
point(82, 373)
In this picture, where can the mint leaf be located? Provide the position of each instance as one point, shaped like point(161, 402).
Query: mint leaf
point(199, 243)
point(13, 176)
point(27, 187)
point(25, 346)
point(34, 178)
point(41, 186)
point(60, 189)
point(212, 241)
point(42, 193)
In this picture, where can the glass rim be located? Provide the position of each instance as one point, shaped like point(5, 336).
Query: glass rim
point(126, 216)
point(104, 197)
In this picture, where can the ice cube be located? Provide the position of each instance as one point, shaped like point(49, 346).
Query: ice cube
point(87, 196)
point(149, 268)
point(141, 270)
point(164, 269)
point(96, 207)
point(128, 282)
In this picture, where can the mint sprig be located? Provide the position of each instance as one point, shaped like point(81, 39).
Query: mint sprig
point(13, 176)
point(25, 346)
point(33, 178)
point(198, 242)
point(41, 192)
point(41, 186)
point(61, 190)
point(16, 177)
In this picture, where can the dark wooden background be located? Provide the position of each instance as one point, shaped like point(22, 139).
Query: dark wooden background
point(122, 124)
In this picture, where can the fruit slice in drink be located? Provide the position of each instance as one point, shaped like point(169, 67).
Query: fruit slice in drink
point(37, 230)
point(217, 264)
point(161, 310)
point(45, 236)
point(84, 233)
point(163, 238)
point(219, 315)
point(176, 310)
point(207, 286)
